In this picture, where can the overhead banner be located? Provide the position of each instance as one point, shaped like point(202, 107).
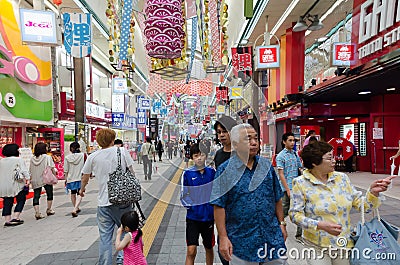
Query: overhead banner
point(220, 109)
point(38, 27)
point(343, 54)
point(77, 34)
point(26, 90)
point(267, 57)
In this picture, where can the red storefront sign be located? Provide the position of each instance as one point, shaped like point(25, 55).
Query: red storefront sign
point(267, 57)
point(376, 29)
point(211, 110)
point(343, 54)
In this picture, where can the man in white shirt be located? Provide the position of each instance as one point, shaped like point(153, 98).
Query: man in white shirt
point(100, 164)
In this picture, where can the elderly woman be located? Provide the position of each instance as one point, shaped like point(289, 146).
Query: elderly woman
point(12, 167)
point(322, 200)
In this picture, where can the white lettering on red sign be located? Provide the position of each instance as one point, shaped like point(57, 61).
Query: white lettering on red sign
point(344, 53)
point(268, 55)
point(382, 16)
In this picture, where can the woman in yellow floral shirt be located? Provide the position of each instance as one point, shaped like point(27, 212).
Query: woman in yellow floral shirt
point(322, 200)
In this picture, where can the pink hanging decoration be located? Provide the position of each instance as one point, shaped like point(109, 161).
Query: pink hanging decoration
point(163, 28)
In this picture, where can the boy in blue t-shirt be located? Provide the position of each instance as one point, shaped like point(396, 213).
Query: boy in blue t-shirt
point(195, 196)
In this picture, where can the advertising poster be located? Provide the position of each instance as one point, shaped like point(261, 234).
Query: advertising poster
point(25, 75)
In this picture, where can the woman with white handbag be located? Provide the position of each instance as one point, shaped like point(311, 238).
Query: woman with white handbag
point(14, 179)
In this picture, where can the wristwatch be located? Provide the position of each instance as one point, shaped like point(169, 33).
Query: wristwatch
point(283, 223)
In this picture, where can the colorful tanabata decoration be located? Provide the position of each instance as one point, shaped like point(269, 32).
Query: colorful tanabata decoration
point(164, 28)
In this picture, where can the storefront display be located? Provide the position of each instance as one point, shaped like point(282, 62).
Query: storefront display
point(54, 138)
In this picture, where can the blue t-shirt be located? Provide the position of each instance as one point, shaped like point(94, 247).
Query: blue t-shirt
point(249, 198)
point(195, 193)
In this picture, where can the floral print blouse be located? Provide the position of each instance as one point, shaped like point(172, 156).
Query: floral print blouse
point(313, 201)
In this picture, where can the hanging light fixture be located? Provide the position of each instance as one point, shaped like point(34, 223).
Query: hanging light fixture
point(301, 25)
point(316, 24)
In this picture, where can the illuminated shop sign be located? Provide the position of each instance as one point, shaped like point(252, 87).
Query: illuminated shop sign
point(267, 57)
point(38, 26)
point(376, 28)
point(343, 54)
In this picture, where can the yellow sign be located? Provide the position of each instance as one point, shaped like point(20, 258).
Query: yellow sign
point(236, 93)
point(220, 109)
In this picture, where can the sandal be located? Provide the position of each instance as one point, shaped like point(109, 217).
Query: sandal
point(74, 214)
point(10, 224)
point(50, 212)
point(18, 221)
point(39, 216)
point(78, 211)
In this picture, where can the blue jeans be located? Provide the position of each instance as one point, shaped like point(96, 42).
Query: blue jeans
point(109, 217)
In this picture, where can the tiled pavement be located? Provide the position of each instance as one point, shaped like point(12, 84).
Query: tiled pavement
point(61, 239)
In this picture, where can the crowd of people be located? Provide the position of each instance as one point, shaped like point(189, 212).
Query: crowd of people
point(229, 185)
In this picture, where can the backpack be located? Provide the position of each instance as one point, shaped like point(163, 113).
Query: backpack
point(187, 152)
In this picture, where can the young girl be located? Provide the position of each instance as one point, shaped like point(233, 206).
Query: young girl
point(132, 243)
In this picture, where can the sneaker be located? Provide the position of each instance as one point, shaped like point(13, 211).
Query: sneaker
point(39, 216)
point(120, 261)
point(50, 212)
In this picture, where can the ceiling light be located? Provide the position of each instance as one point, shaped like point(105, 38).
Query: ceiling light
point(300, 25)
point(316, 24)
point(364, 92)
point(330, 10)
point(310, 118)
point(322, 39)
point(334, 105)
point(391, 89)
point(347, 118)
point(331, 119)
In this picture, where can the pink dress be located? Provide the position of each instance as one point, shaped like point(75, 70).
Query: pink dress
point(133, 253)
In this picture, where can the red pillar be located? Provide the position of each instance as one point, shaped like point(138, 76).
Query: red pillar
point(295, 47)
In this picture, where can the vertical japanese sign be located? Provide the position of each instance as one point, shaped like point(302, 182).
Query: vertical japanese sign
point(221, 93)
point(141, 120)
point(242, 60)
point(77, 34)
point(125, 33)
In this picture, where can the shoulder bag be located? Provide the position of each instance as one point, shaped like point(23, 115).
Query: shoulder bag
point(123, 187)
point(372, 239)
point(48, 177)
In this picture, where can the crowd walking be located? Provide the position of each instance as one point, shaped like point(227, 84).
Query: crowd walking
point(240, 192)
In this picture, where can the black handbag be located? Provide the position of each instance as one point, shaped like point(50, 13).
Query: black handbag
point(123, 187)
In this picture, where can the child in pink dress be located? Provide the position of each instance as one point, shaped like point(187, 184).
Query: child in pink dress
point(132, 243)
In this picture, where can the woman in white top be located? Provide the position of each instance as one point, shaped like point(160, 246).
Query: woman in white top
point(39, 162)
point(11, 188)
point(73, 165)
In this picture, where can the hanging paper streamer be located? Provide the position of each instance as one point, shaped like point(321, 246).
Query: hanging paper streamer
point(193, 46)
point(125, 33)
point(215, 37)
point(199, 9)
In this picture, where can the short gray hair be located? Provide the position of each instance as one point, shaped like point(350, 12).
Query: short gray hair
point(235, 132)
